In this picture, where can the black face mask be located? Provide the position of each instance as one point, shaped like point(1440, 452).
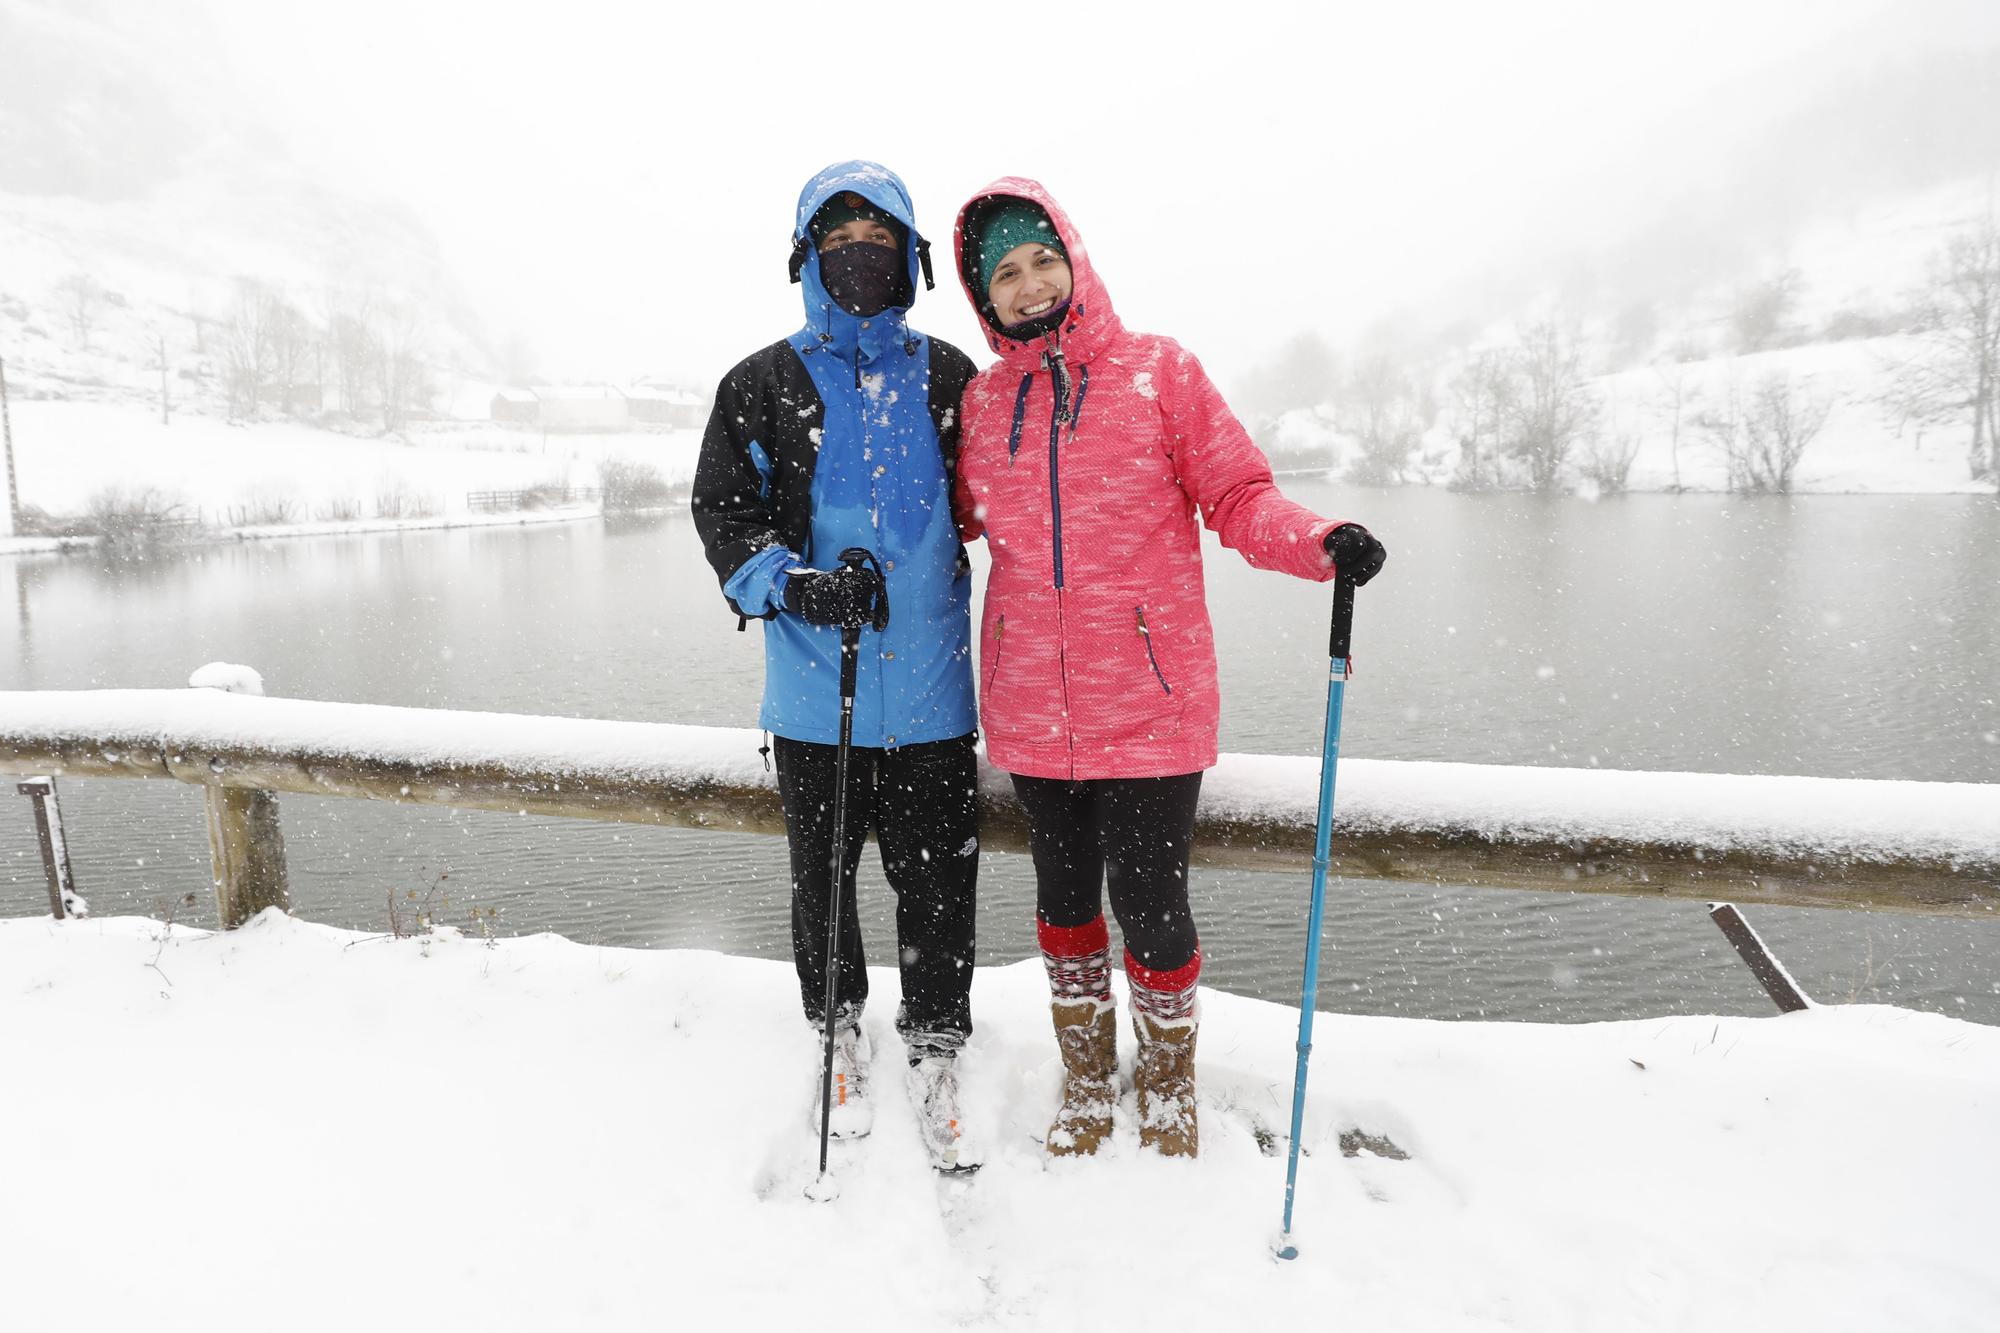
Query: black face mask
point(865, 279)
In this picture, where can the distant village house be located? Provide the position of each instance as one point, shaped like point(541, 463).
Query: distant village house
point(580, 408)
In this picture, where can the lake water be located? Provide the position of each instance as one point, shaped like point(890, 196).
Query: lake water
point(1830, 635)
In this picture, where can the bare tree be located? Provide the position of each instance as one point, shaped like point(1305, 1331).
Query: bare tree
point(401, 372)
point(1552, 406)
point(81, 298)
point(1677, 393)
point(351, 345)
point(1383, 410)
point(292, 342)
point(1762, 308)
point(160, 362)
point(1763, 435)
point(246, 339)
point(1956, 368)
point(1483, 395)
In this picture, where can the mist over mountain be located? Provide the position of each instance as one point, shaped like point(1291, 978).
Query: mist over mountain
point(136, 174)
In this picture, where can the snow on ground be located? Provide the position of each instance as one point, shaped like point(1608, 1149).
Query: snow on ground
point(299, 1125)
point(235, 476)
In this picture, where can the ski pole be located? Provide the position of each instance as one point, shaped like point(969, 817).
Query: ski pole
point(1329, 761)
point(859, 559)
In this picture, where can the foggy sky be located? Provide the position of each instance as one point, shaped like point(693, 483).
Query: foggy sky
point(618, 184)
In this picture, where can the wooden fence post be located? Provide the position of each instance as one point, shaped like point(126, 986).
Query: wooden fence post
point(245, 844)
point(1764, 965)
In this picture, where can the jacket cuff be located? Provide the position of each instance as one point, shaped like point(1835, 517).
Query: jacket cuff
point(758, 585)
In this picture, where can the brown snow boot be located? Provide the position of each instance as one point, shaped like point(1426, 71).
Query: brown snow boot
point(1164, 1079)
point(1087, 1033)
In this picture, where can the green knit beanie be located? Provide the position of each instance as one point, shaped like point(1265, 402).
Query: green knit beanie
point(844, 208)
point(1014, 223)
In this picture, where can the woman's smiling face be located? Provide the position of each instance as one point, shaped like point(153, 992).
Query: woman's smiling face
point(1032, 280)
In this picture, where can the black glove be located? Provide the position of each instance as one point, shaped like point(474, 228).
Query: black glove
point(843, 596)
point(1357, 556)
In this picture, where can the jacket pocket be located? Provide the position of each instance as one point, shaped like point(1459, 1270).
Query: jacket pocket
point(1020, 672)
point(1152, 654)
point(995, 648)
point(1122, 670)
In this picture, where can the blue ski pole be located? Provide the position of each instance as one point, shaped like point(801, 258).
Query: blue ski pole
point(1329, 761)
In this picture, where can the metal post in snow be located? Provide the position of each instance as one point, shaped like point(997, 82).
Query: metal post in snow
point(63, 898)
point(7, 433)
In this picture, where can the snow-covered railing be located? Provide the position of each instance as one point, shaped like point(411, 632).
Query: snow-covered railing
point(1906, 846)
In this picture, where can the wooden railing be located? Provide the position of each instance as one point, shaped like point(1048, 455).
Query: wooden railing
point(1644, 835)
point(534, 497)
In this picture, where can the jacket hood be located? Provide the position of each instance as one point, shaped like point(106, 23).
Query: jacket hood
point(1091, 323)
point(827, 322)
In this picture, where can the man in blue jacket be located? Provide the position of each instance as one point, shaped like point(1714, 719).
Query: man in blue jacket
point(846, 434)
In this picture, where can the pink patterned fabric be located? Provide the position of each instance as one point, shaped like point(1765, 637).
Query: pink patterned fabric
point(1112, 674)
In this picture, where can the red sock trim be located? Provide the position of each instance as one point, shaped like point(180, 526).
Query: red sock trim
point(1072, 941)
point(1179, 979)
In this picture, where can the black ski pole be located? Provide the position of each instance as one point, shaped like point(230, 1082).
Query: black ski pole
point(859, 559)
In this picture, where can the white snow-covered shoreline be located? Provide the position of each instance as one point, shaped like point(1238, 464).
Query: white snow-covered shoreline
point(350, 528)
point(296, 1125)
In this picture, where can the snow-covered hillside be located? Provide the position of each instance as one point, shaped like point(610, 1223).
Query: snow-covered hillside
point(1827, 323)
point(152, 230)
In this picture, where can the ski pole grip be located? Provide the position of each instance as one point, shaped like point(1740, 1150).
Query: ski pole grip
point(862, 560)
point(1343, 619)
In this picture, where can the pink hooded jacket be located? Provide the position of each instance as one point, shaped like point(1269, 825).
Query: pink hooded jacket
point(1096, 655)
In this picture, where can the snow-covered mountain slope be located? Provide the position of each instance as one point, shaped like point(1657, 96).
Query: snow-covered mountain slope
point(140, 202)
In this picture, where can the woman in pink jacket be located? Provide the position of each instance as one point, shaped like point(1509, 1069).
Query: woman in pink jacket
point(1086, 453)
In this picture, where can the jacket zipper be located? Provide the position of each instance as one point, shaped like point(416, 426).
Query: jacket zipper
point(1060, 374)
point(1147, 635)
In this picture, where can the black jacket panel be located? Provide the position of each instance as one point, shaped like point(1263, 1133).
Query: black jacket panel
point(769, 399)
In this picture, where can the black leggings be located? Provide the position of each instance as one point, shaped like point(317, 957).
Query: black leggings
point(921, 802)
point(1135, 834)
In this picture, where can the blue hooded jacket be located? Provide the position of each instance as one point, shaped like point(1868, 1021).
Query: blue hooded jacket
point(880, 480)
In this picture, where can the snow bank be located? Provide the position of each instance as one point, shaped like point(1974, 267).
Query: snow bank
point(1956, 822)
point(307, 1127)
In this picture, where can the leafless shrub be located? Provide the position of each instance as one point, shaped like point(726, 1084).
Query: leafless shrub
point(342, 509)
point(264, 511)
point(545, 495)
point(1763, 435)
point(628, 484)
point(1606, 461)
point(399, 501)
point(422, 907)
point(131, 525)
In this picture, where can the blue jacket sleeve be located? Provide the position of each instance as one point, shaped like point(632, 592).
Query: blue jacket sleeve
point(758, 585)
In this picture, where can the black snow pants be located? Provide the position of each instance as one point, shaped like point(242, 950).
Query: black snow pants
point(921, 802)
point(1134, 833)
